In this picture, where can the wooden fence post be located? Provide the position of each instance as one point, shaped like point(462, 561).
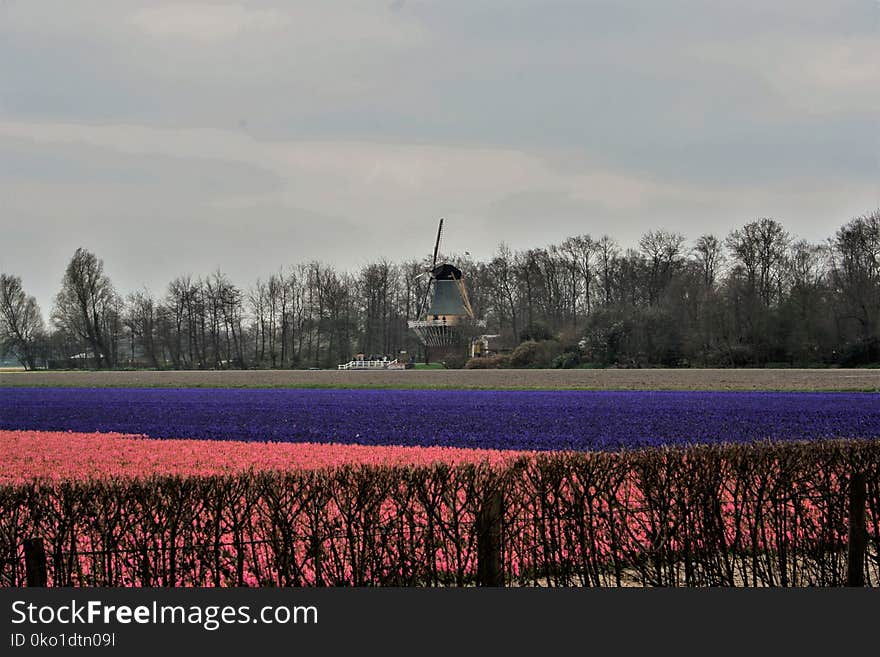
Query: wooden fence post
point(490, 568)
point(35, 562)
point(857, 539)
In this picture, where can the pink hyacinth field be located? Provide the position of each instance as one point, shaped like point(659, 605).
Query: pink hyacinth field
point(70, 456)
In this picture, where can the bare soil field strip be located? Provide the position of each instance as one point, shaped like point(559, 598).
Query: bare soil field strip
point(610, 379)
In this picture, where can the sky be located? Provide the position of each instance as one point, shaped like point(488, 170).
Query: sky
point(176, 138)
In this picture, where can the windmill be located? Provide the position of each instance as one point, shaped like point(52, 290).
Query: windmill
point(447, 320)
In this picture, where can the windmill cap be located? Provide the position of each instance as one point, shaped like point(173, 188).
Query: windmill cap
point(446, 272)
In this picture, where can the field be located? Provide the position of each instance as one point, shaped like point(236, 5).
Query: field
point(662, 477)
point(528, 420)
point(578, 379)
point(57, 456)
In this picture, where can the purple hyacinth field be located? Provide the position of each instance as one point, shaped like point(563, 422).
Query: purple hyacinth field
point(516, 420)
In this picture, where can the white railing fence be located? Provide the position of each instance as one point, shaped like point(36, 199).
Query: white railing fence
point(371, 365)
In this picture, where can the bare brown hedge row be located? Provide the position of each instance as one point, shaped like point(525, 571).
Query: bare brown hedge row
point(766, 514)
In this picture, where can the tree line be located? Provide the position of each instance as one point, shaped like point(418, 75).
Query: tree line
point(755, 297)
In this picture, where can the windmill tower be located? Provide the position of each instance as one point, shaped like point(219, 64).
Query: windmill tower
point(448, 321)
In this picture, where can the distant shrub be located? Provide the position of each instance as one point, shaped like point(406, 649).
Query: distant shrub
point(454, 361)
point(535, 354)
point(863, 352)
point(740, 355)
point(606, 338)
point(567, 360)
point(488, 363)
point(537, 332)
point(570, 338)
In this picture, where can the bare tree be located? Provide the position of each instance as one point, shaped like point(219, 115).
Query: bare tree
point(140, 319)
point(21, 324)
point(581, 250)
point(856, 271)
point(226, 317)
point(760, 247)
point(663, 251)
point(527, 272)
point(503, 281)
point(608, 252)
point(259, 302)
point(87, 307)
point(182, 323)
point(376, 284)
point(709, 254)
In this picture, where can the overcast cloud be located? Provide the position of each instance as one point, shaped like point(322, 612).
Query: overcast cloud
point(178, 138)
